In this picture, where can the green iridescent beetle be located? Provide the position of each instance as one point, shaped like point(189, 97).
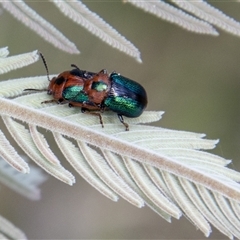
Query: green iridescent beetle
point(96, 92)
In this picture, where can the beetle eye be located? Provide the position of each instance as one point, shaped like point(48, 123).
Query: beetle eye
point(99, 86)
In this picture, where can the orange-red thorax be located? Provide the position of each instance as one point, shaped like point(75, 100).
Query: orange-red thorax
point(62, 81)
point(97, 87)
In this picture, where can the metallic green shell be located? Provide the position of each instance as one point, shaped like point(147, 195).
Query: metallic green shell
point(126, 97)
point(75, 94)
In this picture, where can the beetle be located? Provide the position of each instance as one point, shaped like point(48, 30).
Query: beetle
point(97, 92)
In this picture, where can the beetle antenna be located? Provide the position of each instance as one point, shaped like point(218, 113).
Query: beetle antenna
point(33, 89)
point(75, 66)
point(45, 64)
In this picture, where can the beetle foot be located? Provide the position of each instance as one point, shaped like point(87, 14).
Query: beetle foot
point(83, 110)
point(101, 121)
point(122, 121)
point(100, 117)
point(60, 101)
point(126, 126)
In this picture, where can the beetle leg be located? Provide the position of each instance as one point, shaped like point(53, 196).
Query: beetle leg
point(122, 121)
point(59, 101)
point(85, 110)
point(102, 107)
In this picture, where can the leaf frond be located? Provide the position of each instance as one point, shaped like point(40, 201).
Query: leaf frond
point(79, 13)
point(170, 168)
point(24, 184)
point(174, 15)
point(14, 62)
point(21, 11)
point(205, 11)
point(9, 230)
point(164, 169)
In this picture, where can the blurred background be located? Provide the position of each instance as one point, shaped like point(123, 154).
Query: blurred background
point(194, 78)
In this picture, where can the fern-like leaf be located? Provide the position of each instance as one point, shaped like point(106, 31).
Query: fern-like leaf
point(210, 14)
point(79, 13)
point(35, 22)
point(9, 231)
point(204, 12)
point(162, 168)
point(174, 15)
point(25, 184)
point(10, 63)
